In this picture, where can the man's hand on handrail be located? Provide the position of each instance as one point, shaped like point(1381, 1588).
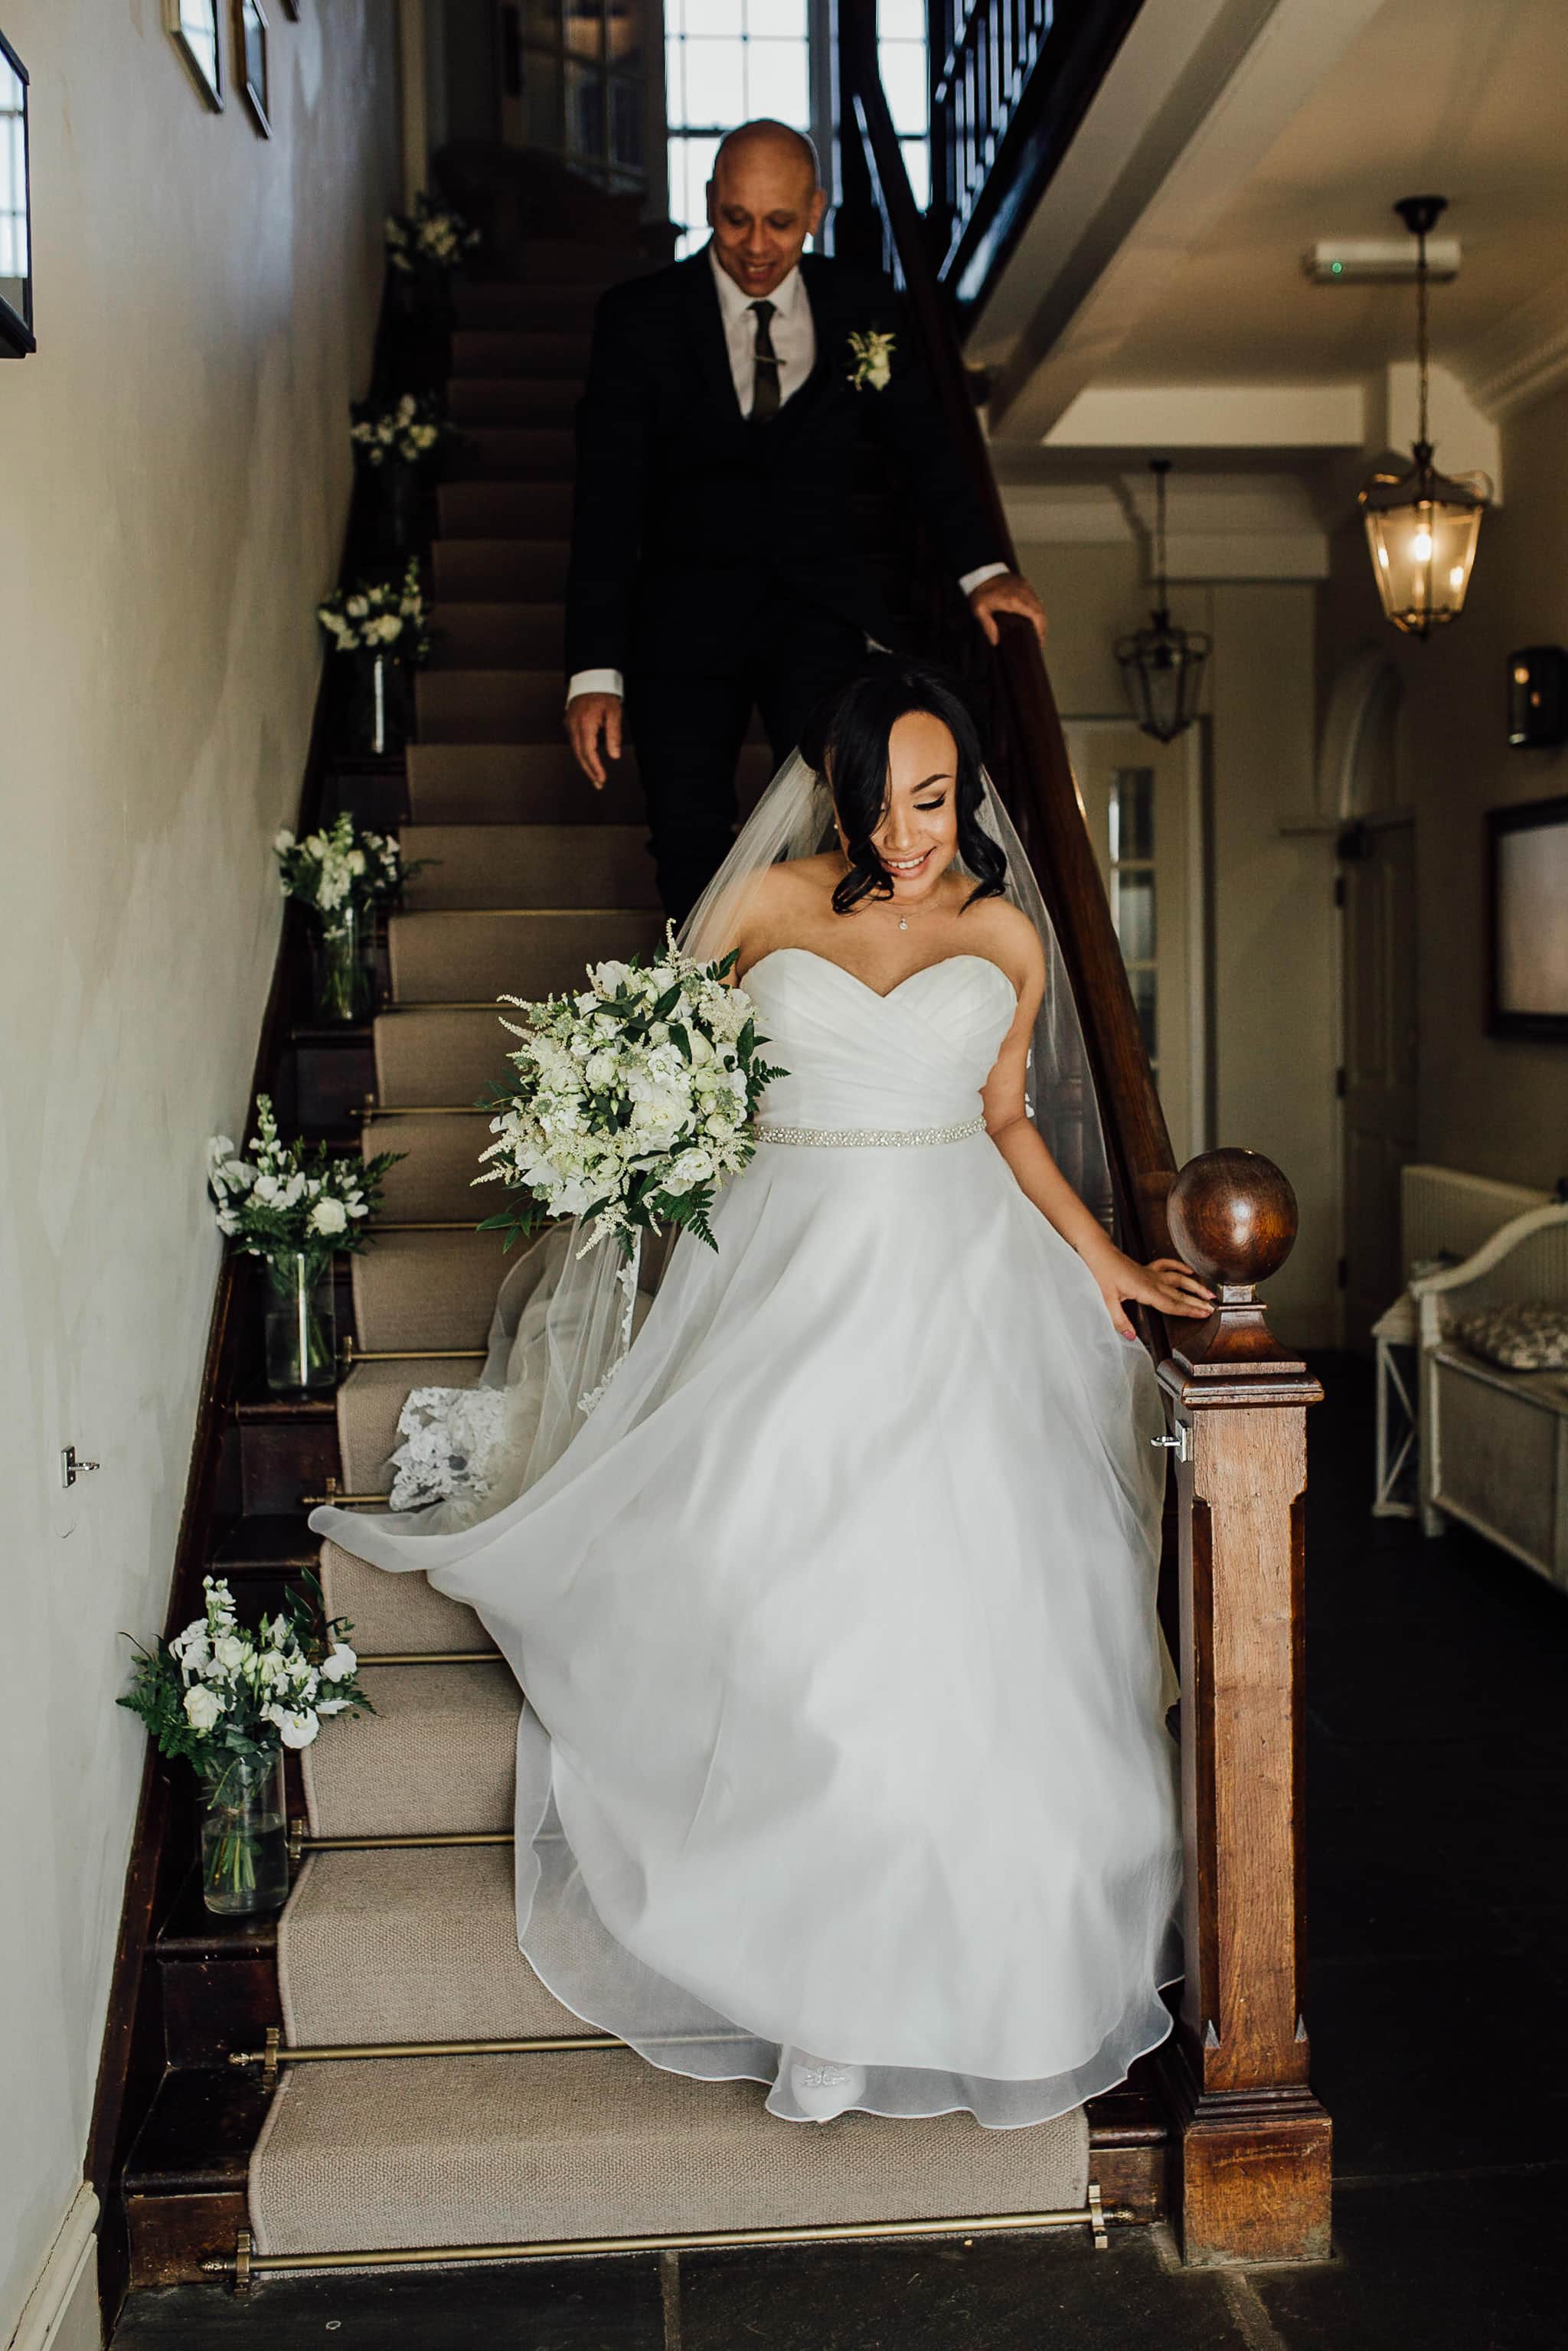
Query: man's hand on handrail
point(1006, 591)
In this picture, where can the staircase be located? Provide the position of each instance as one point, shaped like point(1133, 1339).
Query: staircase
point(378, 2073)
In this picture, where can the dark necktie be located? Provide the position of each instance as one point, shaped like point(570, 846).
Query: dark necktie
point(765, 396)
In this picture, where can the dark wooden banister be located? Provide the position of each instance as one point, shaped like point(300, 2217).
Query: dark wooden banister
point(1250, 2145)
point(1033, 770)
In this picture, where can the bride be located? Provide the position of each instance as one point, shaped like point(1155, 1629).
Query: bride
point(843, 1764)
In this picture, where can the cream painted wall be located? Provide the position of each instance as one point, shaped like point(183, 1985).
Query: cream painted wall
point(174, 479)
point(1492, 1106)
point(1271, 1008)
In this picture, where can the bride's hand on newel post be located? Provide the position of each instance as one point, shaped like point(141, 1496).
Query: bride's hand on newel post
point(1166, 1283)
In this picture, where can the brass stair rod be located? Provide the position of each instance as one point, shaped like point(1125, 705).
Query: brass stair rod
point(426, 1225)
point(243, 2264)
point(300, 1842)
point(343, 1501)
point(276, 2054)
point(279, 2052)
point(348, 1354)
point(429, 1657)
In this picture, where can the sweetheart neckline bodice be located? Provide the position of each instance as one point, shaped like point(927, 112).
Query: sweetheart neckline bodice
point(881, 996)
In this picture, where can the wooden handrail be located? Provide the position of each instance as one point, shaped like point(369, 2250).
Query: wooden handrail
point(1030, 749)
point(1250, 2175)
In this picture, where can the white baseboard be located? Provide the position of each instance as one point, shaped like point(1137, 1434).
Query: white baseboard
point(61, 2312)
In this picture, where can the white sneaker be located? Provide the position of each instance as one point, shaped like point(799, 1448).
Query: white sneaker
point(821, 2089)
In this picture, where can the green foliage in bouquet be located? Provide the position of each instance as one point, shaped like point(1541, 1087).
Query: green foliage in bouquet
point(219, 1692)
point(631, 1101)
point(432, 233)
point(380, 616)
point(407, 431)
point(339, 867)
point(293, 1199)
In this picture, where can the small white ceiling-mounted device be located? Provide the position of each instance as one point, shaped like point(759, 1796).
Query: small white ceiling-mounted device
point(1379, 260)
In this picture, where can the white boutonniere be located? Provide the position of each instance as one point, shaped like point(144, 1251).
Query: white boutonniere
point(873, 360)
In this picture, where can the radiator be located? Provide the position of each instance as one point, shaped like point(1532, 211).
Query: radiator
point(1442, 1209)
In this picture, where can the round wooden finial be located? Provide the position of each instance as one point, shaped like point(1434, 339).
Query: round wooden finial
point(1233, 1217)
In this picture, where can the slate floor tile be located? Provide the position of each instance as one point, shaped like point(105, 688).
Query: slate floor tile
point(1371, 1905)
point(1438, 2065)
point(566, 2306)
point(1433, 2265)
point(997, 2295)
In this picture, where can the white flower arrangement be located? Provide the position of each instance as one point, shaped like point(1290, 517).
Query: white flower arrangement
point(633, 1102)
point(219, 1693)
point(870, 352)
point(378, 616)
point(339, 869)
point(403, 431)
point(432, 232)
point(290, 1199)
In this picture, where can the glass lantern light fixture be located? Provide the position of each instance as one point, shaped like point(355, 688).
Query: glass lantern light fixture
point(1162, 665)
point(1422, 526)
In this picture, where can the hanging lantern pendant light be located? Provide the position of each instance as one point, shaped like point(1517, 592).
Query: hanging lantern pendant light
point(1422, 526)
point(1162, 665)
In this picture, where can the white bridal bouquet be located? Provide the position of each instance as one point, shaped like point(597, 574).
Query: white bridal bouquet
point(403, 432)
point(432, 233)
point(217, 1689)
point(292, 1199)
point(227, 1701)
point(338, 868)
point(378, 616)
point(631, 1102)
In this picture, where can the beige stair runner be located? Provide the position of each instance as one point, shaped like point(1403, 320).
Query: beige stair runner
point(597, 2144)
point(532, 875)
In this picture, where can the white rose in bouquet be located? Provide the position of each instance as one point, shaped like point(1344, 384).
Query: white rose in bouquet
point(632, 1101)
point(203, 1706)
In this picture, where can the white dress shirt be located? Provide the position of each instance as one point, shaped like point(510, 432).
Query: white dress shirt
point(794, 338)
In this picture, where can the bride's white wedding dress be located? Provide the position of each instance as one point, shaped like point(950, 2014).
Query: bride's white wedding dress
point(844, 1726)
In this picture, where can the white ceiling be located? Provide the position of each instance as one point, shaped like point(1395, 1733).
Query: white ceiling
point(1468, 99)
point(1327, 111)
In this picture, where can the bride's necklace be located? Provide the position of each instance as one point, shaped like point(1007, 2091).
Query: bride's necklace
point(903, 915)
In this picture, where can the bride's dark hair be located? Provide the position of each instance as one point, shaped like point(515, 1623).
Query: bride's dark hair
point(846, 740)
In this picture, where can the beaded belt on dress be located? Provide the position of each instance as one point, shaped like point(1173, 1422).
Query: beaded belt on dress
point(870, 1138)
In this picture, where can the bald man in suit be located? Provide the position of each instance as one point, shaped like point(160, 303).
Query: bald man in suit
point(715, 567)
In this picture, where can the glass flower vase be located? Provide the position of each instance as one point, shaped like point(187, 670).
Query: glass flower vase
point(341, 987)
point(245, 1834)
point(301, 1318)
point(380, 704)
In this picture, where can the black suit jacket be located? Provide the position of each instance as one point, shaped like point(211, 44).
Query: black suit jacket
point(688, 516)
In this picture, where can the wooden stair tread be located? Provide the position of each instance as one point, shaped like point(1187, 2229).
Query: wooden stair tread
point(269, 1539)
point(198, 2134)
point(193, 1932)
point(477, 2150)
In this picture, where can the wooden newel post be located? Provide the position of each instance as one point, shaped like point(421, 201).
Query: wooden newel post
point(1253, 2145)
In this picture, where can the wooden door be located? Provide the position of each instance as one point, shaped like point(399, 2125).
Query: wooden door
point(1377, 1077)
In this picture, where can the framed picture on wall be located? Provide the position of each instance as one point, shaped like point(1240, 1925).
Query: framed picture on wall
point(17, 337)
point(1528, 862)
point(251, 62)
point(192, 26)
